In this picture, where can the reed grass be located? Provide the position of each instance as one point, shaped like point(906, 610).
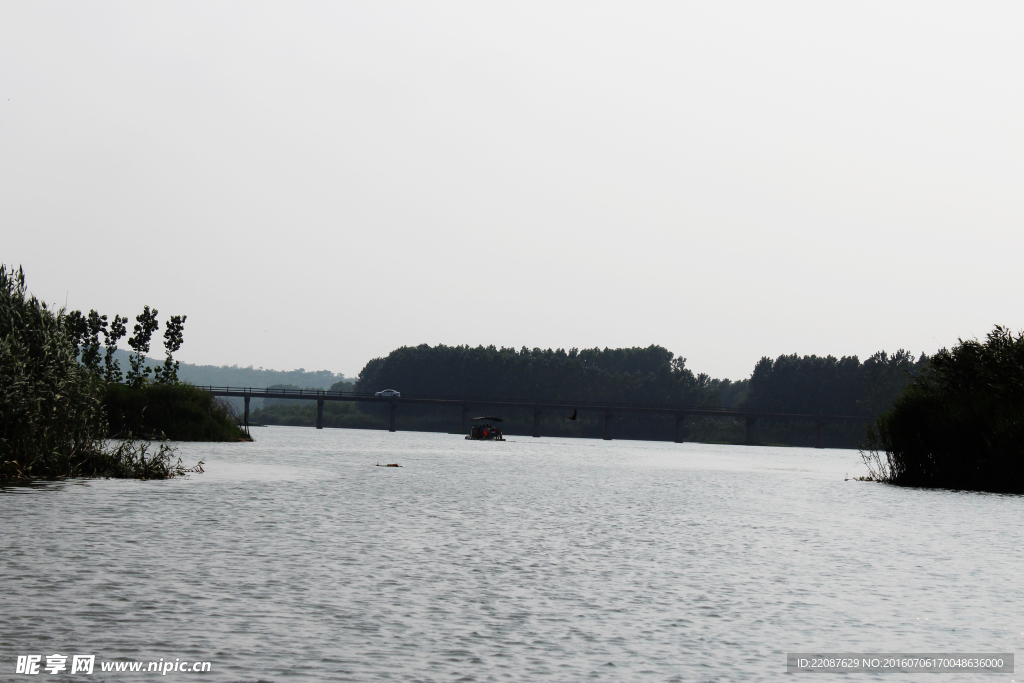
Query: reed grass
point(134, 459)
point(51, 415)
point(959, 424)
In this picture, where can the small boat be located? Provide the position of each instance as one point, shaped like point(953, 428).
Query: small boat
point(483, 431)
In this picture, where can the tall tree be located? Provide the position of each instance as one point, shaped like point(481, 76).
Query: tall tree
point(75, 328)
point(112, 368)
point(91, 355)
point(145, 326)
point(168, 374)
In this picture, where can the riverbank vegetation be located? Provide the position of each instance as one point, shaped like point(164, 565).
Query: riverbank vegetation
point(959, 423)
point(157, 408)
point(54, 380)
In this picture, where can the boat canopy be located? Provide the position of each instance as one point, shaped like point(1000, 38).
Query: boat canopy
point(494, 419)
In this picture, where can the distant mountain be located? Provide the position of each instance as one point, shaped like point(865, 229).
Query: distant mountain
point(235, 376)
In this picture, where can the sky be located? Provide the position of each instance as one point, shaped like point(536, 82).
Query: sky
point(315, 184)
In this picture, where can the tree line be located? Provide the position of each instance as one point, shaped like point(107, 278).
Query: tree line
point(830, 385)
point(634, 375)
point(651, 375)
point(84, 332)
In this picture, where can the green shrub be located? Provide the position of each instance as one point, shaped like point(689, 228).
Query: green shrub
point(180, 412)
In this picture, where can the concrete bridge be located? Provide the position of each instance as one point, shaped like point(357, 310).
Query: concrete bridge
point(609, 410)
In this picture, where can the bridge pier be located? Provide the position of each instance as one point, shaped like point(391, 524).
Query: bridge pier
point(607, 426)
point(536, 422)
point(247, 413)
point(750, 431)
point(394, 410)
point(319, 413)
point(680, 425)
point(818, 424)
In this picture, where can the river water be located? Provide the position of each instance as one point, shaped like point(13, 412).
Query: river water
point(294, 558)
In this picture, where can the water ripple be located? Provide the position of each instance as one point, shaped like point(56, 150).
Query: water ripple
point(294, 559)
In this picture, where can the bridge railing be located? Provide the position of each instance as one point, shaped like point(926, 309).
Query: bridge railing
point(299, 393)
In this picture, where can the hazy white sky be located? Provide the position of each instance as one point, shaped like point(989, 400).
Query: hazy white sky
point(315, 184)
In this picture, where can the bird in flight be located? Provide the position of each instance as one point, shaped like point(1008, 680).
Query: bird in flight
point(573, 416)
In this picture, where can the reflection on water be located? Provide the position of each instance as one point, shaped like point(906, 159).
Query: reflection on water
point(294, 558)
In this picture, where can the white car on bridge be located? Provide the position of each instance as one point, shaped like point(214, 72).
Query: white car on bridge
point(388, 393)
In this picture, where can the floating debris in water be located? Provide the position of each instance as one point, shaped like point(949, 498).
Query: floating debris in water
point(394, 464)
